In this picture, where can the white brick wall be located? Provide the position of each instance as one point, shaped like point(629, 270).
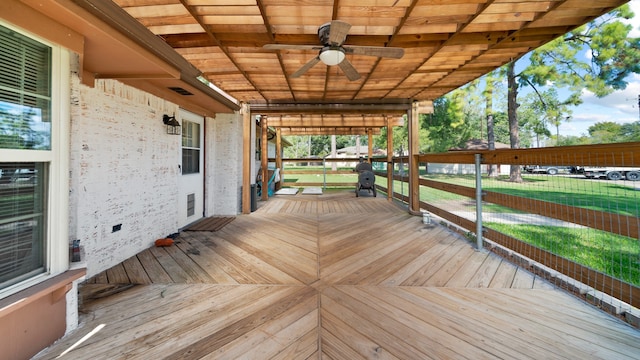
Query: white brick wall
point(224, 164)
point(123, 171)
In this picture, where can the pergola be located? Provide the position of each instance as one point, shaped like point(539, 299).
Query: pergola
point(177, 43)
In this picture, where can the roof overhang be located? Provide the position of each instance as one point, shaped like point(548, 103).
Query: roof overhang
point(347, 118)
point(112, 45)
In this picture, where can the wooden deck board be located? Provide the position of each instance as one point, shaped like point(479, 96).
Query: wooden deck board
point(135, 271)
point(154, 270)
point(335, 277)
point(117, 275)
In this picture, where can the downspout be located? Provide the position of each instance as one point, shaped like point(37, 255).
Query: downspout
point(204, 166)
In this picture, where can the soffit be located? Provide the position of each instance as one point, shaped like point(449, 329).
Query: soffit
point(108, 52)
point(447, 43)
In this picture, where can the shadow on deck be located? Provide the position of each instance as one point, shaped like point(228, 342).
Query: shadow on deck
point(334, 277)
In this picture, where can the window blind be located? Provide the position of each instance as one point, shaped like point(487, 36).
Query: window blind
point(22, 209)
point(25, 124)
point(25, 92)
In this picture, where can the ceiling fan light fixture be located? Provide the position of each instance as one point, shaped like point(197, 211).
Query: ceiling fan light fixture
point(332, 56)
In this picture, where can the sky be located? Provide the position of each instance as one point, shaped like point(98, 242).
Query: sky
point(620, 107)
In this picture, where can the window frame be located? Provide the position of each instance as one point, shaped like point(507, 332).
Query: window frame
point(194, 146)
point(56, 243)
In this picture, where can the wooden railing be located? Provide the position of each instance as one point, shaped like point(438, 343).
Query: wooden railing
point(321, 167)
point(566, 205)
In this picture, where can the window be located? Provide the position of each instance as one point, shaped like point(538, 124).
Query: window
point(22, 221)
point(34, 88)
point(190, 147)
point(25, 92)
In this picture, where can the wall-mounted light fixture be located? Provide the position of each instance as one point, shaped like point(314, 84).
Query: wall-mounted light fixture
point(173, 126)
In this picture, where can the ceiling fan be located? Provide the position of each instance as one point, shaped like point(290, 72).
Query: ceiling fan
point(332, 51)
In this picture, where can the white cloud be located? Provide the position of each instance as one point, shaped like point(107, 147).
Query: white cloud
point(624, 102)
point(635, 22)
point(620, 107)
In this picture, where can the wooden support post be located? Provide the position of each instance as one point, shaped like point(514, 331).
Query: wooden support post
point(279, 156)
point(389, 161)
point(264, 158)
point(370, 143)
point(246, 159)
point(414, 146)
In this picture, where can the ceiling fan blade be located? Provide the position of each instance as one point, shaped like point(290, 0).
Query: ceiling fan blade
point(291, 47)
point(348, 69)
point(306, 67)
point(380, 51)
point(338, 32)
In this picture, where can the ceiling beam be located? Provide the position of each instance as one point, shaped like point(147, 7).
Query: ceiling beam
point(389, 109)
point(321, 121)
point(328, 131)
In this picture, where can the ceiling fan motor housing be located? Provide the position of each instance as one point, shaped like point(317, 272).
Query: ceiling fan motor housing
point(323, 33)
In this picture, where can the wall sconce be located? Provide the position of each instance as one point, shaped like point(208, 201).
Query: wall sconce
point(173, 126)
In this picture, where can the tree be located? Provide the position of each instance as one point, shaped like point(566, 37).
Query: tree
point(613, 56)
point(501, 128)
point(445, 128)
point(606, 132)
point(515, 174)
point(299, 147)
point(400, 136)
point(320, 145)
point(630, 132)
point(543, 109)
point(488, 93)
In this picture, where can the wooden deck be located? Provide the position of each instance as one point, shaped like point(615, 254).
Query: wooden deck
point(334, 277)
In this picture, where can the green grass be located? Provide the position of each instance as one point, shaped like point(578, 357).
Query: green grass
point(615, 255)
point(579, 192)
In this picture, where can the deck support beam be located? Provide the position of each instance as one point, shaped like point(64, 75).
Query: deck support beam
point(279, 156)
point(414, 146)
point(370, 143)
point(246, 159)
point(264, 157)
point(389, 161)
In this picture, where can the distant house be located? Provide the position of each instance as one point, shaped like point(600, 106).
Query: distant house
point(351, 151)
point(470, 145)
point(479, 144)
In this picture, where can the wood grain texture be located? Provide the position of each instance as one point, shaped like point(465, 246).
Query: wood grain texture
point(446, 45)
point(334, 277)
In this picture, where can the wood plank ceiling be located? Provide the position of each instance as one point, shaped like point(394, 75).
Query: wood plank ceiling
point(447, 43)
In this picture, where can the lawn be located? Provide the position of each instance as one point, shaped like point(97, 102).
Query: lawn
point(615, 255)
point(613, 197)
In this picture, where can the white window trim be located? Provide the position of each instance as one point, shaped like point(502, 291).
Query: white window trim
point(57, 235)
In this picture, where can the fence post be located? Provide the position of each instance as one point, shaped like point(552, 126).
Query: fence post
point(324, 172)
point(479, 239)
